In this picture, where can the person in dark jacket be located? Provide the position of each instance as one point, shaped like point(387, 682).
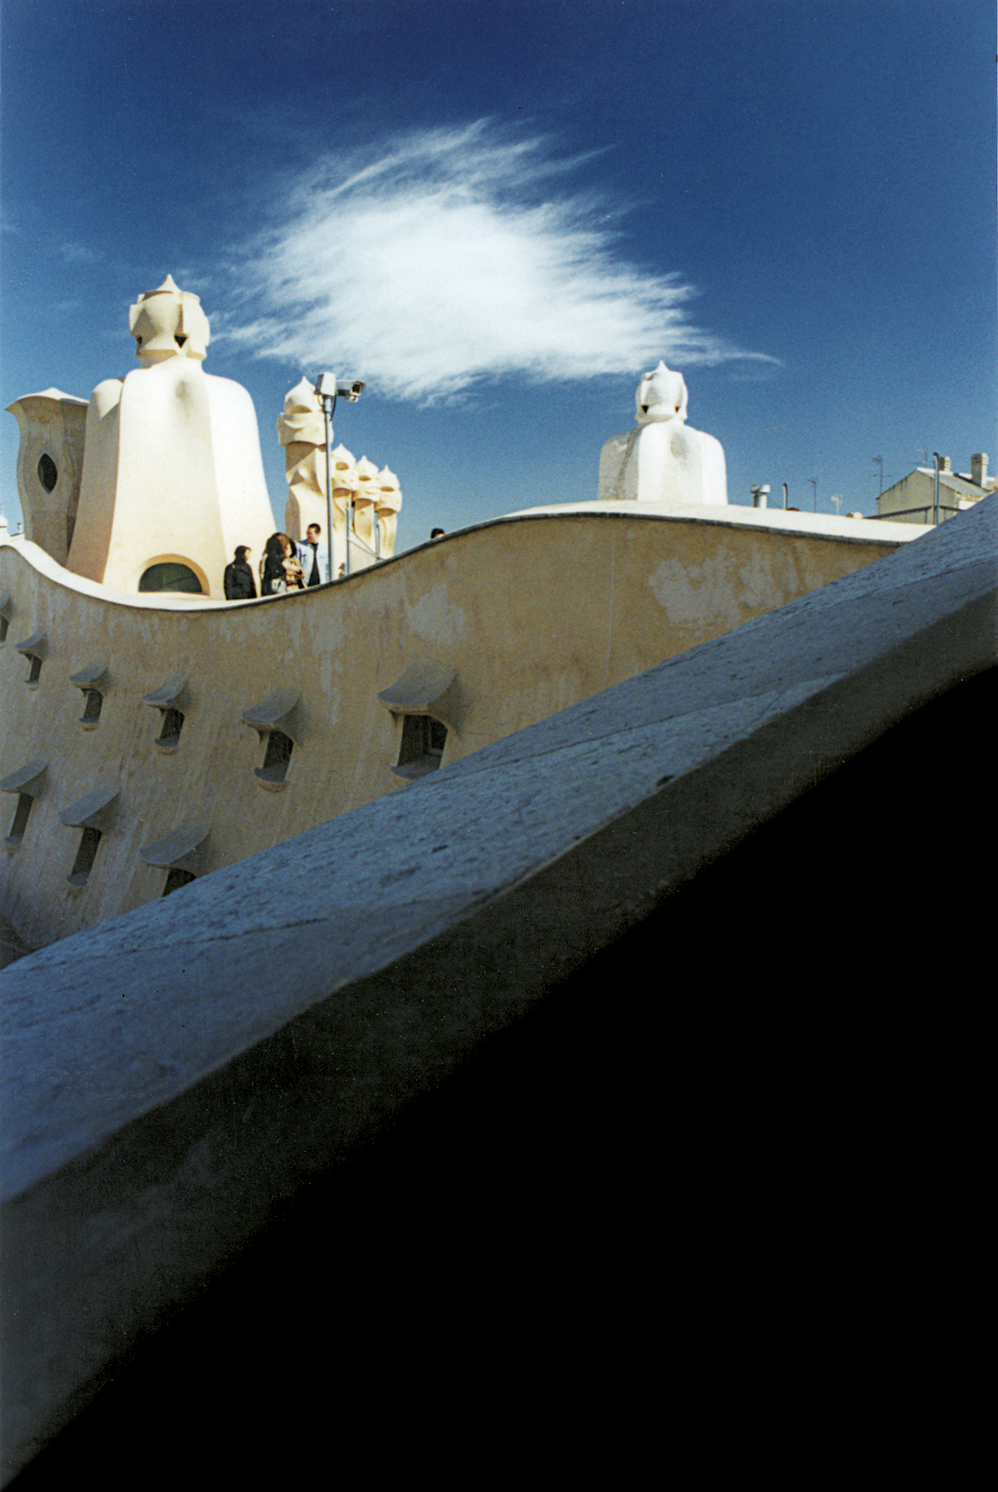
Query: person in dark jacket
point(238, 580)
point(280, 571)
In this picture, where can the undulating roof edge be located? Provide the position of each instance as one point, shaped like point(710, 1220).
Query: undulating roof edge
point(772, 520)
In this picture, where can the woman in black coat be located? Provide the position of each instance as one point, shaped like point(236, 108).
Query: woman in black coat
point(238, 580)
point(279, 569)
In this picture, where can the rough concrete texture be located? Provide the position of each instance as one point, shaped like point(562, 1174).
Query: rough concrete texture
point(174, 1073)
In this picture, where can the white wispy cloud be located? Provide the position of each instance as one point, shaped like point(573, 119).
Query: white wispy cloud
point(454, 256)
point(79, 253)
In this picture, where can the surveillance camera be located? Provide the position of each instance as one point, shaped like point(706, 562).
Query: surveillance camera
point(325, 386)
point(351, 391)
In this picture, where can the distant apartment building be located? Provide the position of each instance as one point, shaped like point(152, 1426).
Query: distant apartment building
point(912, 500)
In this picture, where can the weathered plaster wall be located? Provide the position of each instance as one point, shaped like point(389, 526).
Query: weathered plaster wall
point(531, 614)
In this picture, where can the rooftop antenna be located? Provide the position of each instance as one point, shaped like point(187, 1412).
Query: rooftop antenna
point(814, 484)
point(836, 498)
point(879, 461)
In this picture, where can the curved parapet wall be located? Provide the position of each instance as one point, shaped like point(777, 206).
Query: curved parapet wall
point(227, 728)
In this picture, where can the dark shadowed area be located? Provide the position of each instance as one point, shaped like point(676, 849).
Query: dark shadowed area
point(731, 1150)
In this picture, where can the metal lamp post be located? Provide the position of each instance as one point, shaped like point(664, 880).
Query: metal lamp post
point(327, 391)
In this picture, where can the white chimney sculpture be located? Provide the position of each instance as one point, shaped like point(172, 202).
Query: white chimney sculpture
point(172, 472)
point(664, 460)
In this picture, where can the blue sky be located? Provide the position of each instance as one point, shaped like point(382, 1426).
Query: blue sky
point(500, 212)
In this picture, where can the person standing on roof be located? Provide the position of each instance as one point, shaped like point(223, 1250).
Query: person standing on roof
point(238, 580)
point(312, 555)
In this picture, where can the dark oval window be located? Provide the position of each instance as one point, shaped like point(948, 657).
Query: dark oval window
point(170, 577)
point(48, 472)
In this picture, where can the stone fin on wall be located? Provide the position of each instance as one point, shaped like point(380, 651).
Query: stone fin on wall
point(420, 689)
point(169, 695)
point(35, 646)
point(275, 712)
point(16, 782)
point(86, 809)
point(174, 850)
point(89, 674)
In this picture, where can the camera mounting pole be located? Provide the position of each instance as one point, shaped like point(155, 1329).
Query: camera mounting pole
point(326, 391)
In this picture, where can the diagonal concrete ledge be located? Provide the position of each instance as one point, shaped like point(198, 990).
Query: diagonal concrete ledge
point(174, 1074)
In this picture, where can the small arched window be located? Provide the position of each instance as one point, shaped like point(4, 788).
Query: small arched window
point(92, 702)
point(170, 576)
point(276, 757)
point(48, 472)
point(423, 742)
point(17, 828)
point(169, 737)
point(85, 856)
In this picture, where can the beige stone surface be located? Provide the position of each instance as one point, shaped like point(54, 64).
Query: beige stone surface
point(387, 505)
point(528, 614)
point(301, 429)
